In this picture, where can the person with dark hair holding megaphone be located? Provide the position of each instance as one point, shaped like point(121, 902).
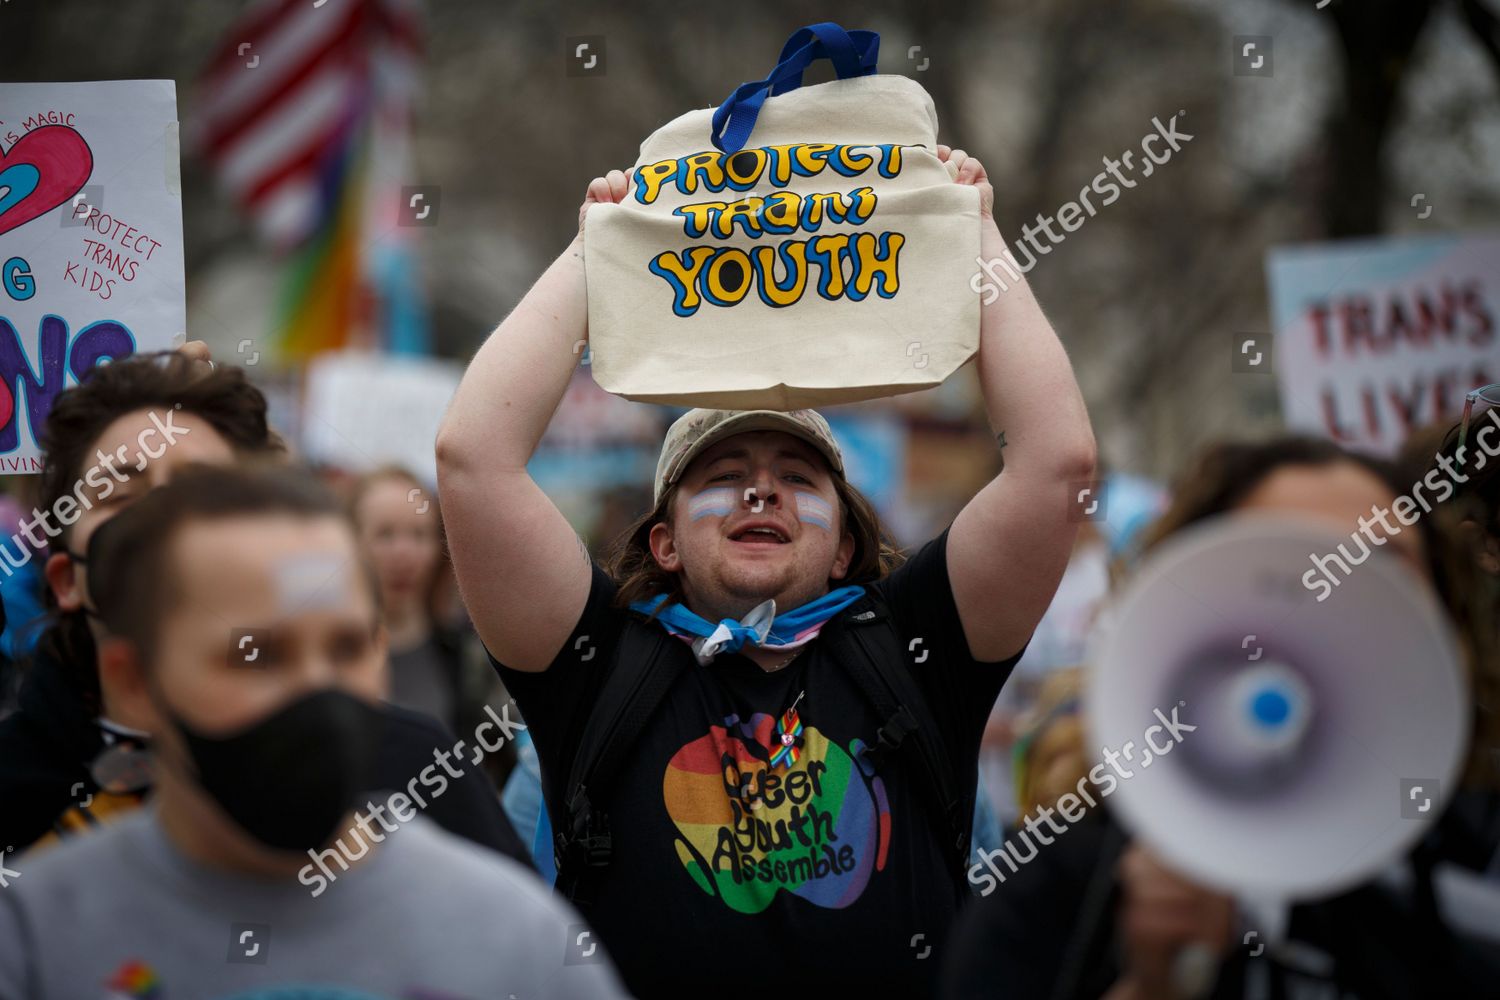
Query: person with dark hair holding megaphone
point(1320, 830)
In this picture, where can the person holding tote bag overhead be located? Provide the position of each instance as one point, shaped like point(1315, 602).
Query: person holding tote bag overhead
point(758, 727)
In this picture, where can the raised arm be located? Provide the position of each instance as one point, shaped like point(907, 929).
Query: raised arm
point(523, 571)
point(1008, 547)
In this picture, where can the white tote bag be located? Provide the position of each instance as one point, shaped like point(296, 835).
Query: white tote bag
point(823, 259)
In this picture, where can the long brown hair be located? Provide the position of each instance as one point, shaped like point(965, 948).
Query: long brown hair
point(629, 562)
point(1459, 532)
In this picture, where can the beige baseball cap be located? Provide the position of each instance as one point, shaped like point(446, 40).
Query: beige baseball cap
point(697, 429)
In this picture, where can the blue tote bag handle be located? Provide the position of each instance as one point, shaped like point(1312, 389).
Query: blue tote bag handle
point(853, 53)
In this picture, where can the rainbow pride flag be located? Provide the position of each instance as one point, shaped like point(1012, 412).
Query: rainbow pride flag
point(314, 146)
point(323, 297)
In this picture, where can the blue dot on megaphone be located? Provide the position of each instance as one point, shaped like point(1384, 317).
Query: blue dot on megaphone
point(1271, 707)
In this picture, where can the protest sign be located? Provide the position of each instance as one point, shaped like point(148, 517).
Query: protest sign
point(364, 410)
point(91, 258)
point(1375, 338)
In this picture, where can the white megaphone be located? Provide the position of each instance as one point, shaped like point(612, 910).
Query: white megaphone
point(1328, 734)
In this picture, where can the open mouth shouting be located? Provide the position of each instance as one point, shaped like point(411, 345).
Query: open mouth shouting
point(759, 533)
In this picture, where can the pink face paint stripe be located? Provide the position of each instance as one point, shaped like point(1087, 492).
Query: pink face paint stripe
point(813, 509)
point(715, 502)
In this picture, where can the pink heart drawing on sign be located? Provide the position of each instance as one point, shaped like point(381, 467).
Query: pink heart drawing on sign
point(42, 170)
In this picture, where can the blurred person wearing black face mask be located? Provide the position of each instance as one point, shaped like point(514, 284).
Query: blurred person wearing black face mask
point(70, 757)
point(259, 759)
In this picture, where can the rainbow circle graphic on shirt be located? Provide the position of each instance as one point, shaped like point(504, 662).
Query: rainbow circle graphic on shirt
point(816, 827)
point(135, 979)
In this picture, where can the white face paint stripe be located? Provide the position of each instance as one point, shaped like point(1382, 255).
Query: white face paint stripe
point(313, 581)
point(813, 509)
point(711, 502)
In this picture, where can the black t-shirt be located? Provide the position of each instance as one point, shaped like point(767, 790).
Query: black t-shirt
point(732, 874)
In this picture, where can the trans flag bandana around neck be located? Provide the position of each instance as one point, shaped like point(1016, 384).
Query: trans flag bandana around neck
point(762, 627)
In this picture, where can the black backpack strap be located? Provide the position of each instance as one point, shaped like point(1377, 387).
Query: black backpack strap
point(638, 682)
point(864, 639)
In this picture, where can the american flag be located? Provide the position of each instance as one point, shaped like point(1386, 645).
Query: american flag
point(287, 91)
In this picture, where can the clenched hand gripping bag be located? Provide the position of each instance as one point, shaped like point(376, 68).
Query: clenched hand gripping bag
point(797, 247)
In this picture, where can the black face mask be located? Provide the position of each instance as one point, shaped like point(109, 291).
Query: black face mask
point(288, 779)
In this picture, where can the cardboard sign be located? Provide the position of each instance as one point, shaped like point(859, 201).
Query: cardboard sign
point(1377, 338)
point(366, 410)
point(91, 259)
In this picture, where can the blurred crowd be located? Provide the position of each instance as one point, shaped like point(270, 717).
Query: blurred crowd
point(119, 694)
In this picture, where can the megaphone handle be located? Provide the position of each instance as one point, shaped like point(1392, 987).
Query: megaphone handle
point(1268, 916)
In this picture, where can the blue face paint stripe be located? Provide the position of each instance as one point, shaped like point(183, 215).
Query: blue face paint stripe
point(718, 501)
point(813, 509)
